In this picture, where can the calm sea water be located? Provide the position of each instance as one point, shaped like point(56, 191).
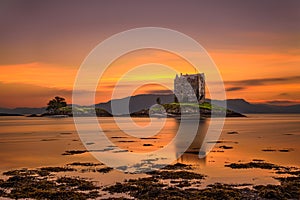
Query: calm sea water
point(35, 142)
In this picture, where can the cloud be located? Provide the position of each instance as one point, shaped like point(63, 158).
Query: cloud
point(20, 94)
point(284, 94)
point(264, 81)
point(231, 89)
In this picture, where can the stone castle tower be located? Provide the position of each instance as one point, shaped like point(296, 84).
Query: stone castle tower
point(188, 85)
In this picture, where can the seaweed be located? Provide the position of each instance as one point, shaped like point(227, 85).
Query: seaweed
point(225, 147)
point(66, 133)
point(232, 132)
point(57, 169)
point(77, 183)
point(177, 166)
point(105, 170)
point(260, 165)
point(147, 145)
point(73, 152)
point(33, 184)
point(152, 188)
point(85, 164)
point(176, 175)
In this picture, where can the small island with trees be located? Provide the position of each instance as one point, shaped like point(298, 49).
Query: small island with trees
point(59, 108)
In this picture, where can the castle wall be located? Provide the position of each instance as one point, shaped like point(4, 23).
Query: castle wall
point(187, 87)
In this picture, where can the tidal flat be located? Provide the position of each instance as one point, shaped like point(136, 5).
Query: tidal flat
point(172, 182)
point(40, 161)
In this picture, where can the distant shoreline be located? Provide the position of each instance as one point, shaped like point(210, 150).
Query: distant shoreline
point(139, 102)
point(8, 114)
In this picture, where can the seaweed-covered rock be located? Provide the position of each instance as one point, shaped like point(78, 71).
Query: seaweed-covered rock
point(39, 184)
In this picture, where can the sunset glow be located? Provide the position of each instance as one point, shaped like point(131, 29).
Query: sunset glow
point(258, 63)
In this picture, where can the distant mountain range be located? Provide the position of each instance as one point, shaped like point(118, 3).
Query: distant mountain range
point(145, 101)
point(136, 103)
point(242, 106)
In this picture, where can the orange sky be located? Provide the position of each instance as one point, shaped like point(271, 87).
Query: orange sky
point(35, 83)
point(256, 47)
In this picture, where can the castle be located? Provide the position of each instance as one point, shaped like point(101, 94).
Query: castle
point(187, 86)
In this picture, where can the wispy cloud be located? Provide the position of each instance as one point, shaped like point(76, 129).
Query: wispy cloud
point(283, 94)
point(231, 89)
point(264, 81)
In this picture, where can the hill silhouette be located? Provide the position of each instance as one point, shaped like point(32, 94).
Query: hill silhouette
point(145, 101)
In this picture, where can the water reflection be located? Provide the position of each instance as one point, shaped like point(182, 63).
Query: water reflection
point(38, 142)
point(179, 139)
point(190, 156)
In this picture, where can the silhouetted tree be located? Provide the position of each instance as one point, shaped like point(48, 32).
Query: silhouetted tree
point(175, 99)
point(158, 100)
point(56, 104)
